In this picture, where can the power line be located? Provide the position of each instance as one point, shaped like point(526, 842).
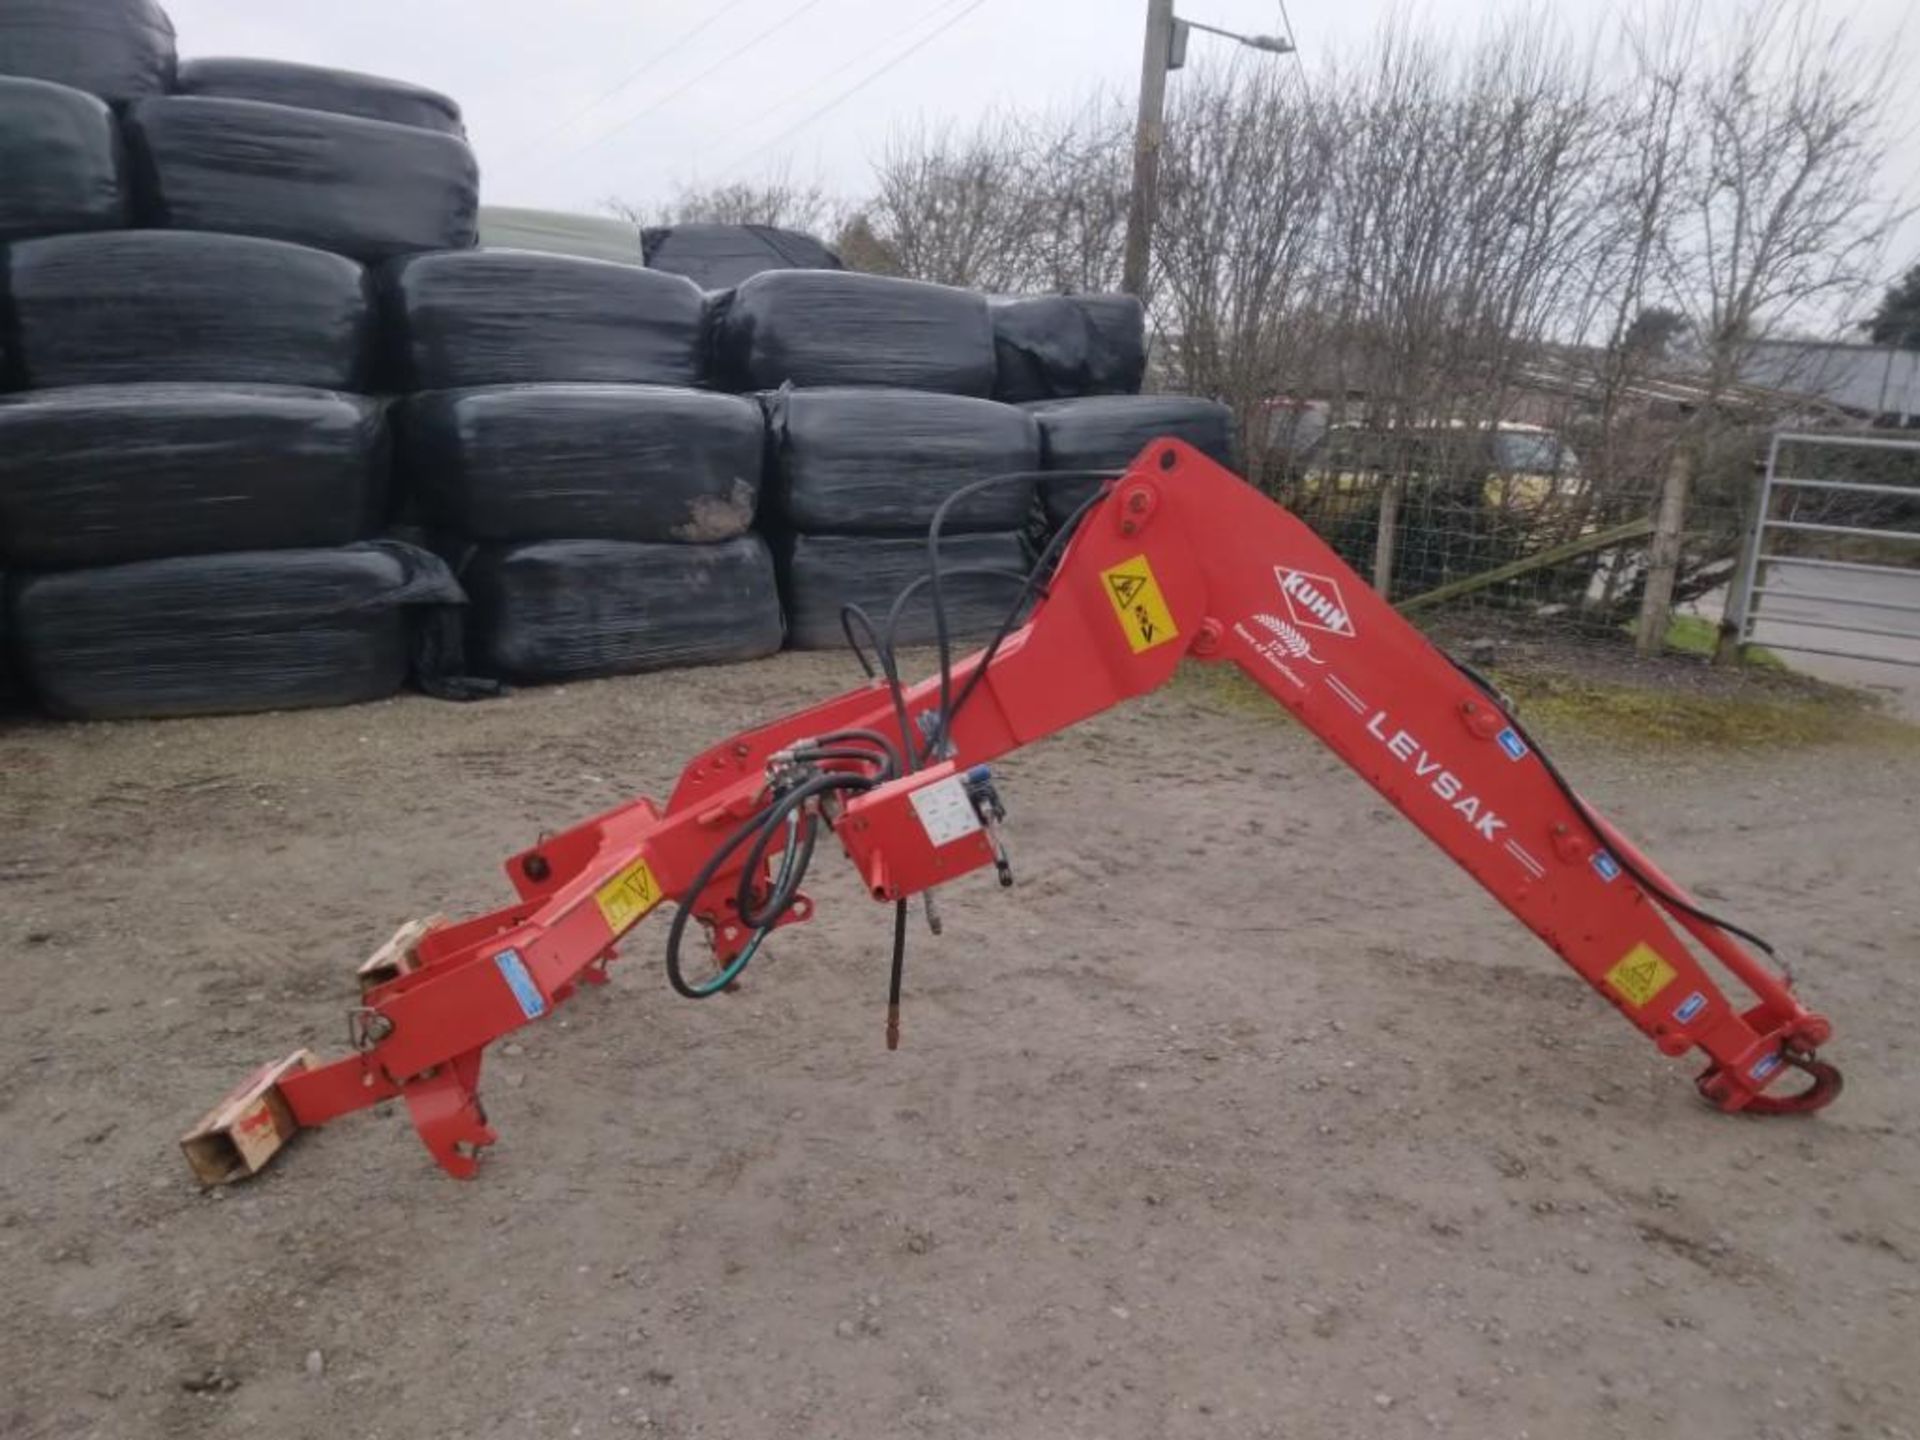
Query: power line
point(659, 57)
point(718, 65)
point(821, 82)
point(855, 88)
point(1294, 41)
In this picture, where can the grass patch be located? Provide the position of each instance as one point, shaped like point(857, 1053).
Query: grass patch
point(1627, 714)
point(1759, 713)
point(1692, 635)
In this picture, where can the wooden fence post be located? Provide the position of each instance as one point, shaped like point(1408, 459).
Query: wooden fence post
point(1663, 555)
point(1386, 537)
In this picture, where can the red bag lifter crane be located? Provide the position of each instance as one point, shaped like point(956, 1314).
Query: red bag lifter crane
point(1174, 558)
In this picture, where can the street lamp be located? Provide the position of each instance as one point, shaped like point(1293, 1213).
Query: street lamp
point(1272, 44)
point(1166, 50)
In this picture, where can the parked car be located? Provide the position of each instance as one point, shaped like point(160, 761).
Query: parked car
point(1512, 467)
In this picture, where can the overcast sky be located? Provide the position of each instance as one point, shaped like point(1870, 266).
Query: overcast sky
point(570, 102)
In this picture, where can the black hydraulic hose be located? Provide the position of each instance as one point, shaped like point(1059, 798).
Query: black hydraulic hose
point(803, 834)
point(865, 757)
point(762, 913)
point(885, 647)
point(765, 911)
point(1573, 797)
point(1037, 579)
point(871, 737)
point(930, 582)
point(683, 910)
point(941, 635)
point(923, 582)
point(899, 973)
point(849, 613)
point(889, 669)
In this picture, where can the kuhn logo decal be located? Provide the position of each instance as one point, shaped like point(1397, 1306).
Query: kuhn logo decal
point(1315, 601)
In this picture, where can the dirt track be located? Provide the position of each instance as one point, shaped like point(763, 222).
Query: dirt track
point(1245, 1114)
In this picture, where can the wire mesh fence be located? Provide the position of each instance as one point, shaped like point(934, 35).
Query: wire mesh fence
point(1525, 528)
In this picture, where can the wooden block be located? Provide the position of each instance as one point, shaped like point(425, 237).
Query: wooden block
point(400, 955)
point(247, 1128)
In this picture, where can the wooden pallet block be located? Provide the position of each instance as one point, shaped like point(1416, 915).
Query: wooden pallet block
point(400, 955)
point(247, 1128)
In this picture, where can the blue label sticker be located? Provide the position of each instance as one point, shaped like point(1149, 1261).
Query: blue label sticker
point(1764, 1066)
point(1511, 742)
point(514, 971)
point(1606, 866)
point(1690, 1007)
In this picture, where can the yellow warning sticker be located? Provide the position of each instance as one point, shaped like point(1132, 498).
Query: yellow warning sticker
point(628, 896)
point(1640, 975)
point(1138, 602)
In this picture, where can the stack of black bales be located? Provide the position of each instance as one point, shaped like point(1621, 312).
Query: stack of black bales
point(193, 470)
point(60, 167)
point(879, 399)
point(1075, 362)
point(598, 500)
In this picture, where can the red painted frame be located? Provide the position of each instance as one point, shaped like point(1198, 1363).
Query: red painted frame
point(1181, 559)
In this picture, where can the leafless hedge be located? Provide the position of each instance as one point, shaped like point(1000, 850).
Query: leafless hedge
point(1529, 224)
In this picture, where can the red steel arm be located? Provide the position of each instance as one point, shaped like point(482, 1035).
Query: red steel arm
point(1181, 559)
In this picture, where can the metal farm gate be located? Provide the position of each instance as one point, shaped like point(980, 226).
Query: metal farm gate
point(1833, 562)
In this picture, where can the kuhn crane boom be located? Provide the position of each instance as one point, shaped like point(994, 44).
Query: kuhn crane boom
point(1176, 558)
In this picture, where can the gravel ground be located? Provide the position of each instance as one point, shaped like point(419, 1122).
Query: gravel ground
point(1244, 1114)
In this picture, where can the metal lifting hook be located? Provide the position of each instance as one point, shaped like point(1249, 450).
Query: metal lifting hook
point(1825, 1089)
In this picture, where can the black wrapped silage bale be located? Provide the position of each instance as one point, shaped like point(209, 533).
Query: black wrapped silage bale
point(718, 257)
point(219, 634)
point(315, 87)
point(575, 609)
point(819, 328)
point(60, 165)
point(102, 474)
point(363, 188)
point(122, 307)
point(881, 462)
point(504, 317)
point(116, 49)
point(1049, 347)
point(607, 462)
point(1108, 432)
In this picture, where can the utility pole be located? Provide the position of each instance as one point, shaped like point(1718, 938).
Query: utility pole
point(1154, 65)
point(1166, 50)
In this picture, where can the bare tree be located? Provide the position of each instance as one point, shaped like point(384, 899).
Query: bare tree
point(1244, 184)
point(1078, 178)
point(1776, 212)
point(1460, 231)
point(1015, 203)
point(953, 207)
point(1779, 207)
point(776, 200)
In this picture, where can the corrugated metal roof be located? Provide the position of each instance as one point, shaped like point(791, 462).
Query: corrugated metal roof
point(1873, 380)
